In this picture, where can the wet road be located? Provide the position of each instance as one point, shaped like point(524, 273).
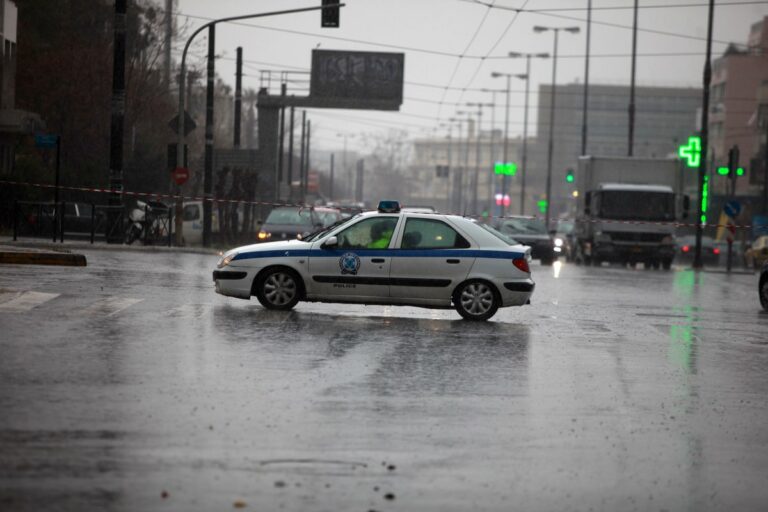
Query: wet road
point(130, 385)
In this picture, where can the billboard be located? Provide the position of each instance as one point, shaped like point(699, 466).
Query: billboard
point(365, 79)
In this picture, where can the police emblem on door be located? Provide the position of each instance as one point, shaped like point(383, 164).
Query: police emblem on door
point(349, 263)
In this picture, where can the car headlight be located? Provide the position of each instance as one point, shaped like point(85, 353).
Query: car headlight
point(226, 260)
point(263, 235)
point(558, 242)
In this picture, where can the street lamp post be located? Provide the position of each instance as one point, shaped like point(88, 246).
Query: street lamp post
point(454, 174)
point(527, 77)
point(476, 175)
point(505, 155)
point(556, 30)
point(181, 117)
point(492, 155)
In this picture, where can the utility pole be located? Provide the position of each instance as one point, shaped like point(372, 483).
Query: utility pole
point(330, 192)
point(302, 153)
point(281, 143)
point(168, 43)
point(697, 263)
point(586, 81)
point(117, 124)
point(208, 171)
point(631, 142)
point(238, 95)
point(290, 156)
point(305, 185)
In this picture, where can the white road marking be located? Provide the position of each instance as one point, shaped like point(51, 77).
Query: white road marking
point(111, 305)
point(24, 301)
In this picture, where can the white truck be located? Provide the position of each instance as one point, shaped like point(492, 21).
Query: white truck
point(626, 210)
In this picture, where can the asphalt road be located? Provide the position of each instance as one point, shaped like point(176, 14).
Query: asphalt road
point(129, 385)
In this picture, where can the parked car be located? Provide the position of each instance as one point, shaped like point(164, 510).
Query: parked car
point(290, 222)
point(757, 254)
point(532, 232)
point(385, 257)
point(762, 288)
point(686, 249)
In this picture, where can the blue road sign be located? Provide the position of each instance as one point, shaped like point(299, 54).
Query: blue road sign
point(45, 141)
point(732, 208)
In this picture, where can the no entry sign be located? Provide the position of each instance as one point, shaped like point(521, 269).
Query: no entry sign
point(180, 175)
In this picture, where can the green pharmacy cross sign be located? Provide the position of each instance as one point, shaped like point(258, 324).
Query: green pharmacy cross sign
point(505, 168)
point(691, 152)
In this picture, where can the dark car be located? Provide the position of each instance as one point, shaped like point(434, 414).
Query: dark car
point(762, 288)
point(686, 249)
point(532, 232)
point(564, 239)
point(290, 222)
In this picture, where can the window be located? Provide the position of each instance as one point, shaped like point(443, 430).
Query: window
point(191, 212)
point(431, 234)
point(373, 233)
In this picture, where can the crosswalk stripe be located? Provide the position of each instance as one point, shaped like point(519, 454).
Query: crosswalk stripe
point(24, 301)
point(111, 305)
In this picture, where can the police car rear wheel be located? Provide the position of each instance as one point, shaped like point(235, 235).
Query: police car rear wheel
point(278, 289)
point(476, 300)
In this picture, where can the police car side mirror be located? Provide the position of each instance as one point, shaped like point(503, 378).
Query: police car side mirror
point(330, 243)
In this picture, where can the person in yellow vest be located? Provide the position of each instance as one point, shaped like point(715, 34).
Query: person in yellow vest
point(381, 233)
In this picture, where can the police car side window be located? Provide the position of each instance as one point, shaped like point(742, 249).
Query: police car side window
point(431, 234)
point(372, 233)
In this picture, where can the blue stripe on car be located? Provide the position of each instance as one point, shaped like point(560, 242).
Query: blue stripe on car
point(395, 253)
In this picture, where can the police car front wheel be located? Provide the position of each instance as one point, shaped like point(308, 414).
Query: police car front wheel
point(278, 288)
point(476, 300)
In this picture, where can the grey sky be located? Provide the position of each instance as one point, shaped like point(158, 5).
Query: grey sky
point(448, 26)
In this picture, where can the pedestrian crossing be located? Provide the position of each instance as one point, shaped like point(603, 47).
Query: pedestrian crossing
point(19, 301)
point(111, 306)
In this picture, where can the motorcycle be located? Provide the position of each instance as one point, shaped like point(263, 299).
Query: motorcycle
point(144, 223)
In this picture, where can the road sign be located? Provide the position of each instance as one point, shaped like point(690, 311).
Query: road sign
point(180, 175)
point(189, 124)
point(732, 208)
point(45, 141)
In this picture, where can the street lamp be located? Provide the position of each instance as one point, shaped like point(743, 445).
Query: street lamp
point(476, 176)
point(454, 174)
point(460, 195)
point(556, 30)
point(491, 178)
point(527, 77)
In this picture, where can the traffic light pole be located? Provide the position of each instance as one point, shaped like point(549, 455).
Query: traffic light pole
point(697, 263)
point(182, 71)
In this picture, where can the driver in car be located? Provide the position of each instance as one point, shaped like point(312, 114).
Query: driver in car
point(381, 233)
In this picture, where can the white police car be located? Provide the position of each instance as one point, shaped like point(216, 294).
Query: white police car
point(385, 257)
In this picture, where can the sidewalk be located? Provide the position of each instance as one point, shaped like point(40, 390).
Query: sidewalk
point(41, 244)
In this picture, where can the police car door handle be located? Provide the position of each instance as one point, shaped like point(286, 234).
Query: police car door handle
point(452, 261)
point(377, 260)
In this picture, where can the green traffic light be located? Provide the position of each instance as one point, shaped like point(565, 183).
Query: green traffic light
point(740, 171)
point(505, 168)
point(569, 177)
point(543, 205)
point(724, 171)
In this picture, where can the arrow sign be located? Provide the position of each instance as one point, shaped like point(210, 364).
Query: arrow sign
point(189, 124)
point(732, 208)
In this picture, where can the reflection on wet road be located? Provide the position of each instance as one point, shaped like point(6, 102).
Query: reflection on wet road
point(130, 385)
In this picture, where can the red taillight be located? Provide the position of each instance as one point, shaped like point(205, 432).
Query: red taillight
point(716, 250)
point(522, 264)
point(686, 248)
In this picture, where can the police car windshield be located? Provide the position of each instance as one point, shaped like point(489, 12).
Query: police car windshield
point(317, 234)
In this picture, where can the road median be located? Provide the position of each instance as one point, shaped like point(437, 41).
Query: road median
point(25, 256)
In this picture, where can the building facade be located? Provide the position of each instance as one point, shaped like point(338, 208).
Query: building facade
point(739, 111)
point(664, 118)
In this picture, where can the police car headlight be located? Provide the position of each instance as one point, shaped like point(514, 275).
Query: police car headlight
point(226, 260)
point(263, 235)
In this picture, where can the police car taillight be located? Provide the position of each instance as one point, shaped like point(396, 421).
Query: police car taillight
point(522, 264)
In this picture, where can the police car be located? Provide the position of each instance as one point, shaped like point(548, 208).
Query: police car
point(388, 257)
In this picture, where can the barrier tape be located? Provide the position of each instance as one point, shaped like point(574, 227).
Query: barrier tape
point(302, 206)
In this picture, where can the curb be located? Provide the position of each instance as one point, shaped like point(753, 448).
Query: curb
point(42, 258)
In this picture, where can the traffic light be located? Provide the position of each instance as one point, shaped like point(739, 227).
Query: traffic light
point(330, 15)
point(569, 176)
point(543, 204)
point(505, 168)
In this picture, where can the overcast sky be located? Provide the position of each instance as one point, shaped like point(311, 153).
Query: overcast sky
point(423, 29)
